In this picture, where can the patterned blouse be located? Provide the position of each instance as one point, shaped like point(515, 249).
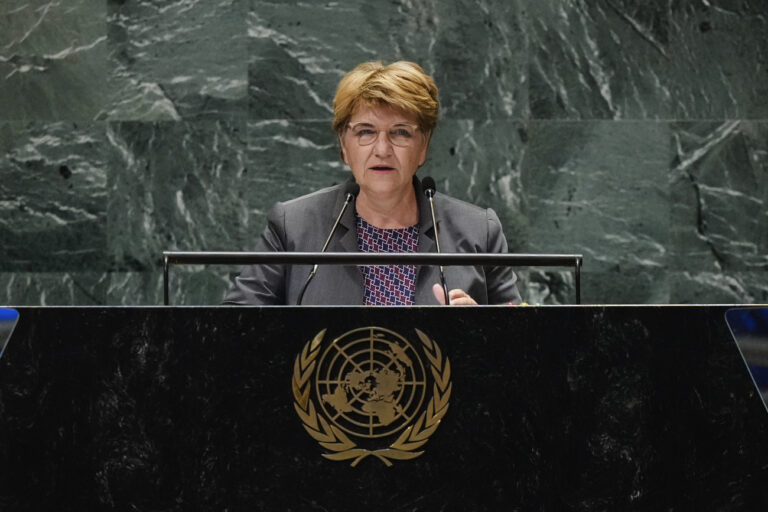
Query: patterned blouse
point(388, 285)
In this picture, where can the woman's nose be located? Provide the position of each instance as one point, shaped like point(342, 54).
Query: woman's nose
point(382, 145)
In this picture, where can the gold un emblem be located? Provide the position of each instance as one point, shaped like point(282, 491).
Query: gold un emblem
point(370, 386)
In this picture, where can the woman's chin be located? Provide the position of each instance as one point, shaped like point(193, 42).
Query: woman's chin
point(383, 186)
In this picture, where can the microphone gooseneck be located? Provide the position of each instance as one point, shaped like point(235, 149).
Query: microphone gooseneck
point(351, 190)
point(428, 184)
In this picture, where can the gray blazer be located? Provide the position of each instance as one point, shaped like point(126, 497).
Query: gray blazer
point(303, 224)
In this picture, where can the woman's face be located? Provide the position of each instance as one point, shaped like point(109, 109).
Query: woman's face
point(383, 168)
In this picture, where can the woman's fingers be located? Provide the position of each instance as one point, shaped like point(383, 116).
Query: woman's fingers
point(460, 298)
point(457, 296)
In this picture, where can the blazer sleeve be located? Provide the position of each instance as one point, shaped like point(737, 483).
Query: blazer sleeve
point(501, 282)
point(263, 284)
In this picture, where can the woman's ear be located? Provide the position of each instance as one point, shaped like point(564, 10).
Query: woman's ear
point(342, 151)
point(423, 156)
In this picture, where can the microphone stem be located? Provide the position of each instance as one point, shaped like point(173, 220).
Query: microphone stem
point(430, 195)
point(348, 200)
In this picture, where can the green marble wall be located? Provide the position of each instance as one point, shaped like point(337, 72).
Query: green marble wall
point(632, 132)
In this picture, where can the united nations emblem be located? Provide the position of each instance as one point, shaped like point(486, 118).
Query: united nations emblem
point(371, 386)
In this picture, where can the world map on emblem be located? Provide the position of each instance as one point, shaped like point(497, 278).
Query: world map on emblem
point(371, 382)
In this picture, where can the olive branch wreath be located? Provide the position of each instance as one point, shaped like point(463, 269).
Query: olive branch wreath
point(334, 439)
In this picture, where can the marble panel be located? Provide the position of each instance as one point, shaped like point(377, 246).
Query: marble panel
point(624, 59)
point(200, 287)
point(176, 186)
point(52, 60)
point(53, 288)
point(480, 162)
point(546, 286)
point(719, 191)
point(626, 286)
point(178, 60)
point(598, 188)
point(53, 197)
point(289, 159)
point(701, 287)
point(475, 50)
point(604, 59)
point(720, 59)
point(188, 286)
point(135, 288)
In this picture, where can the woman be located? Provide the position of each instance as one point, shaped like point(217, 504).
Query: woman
point(384, 117)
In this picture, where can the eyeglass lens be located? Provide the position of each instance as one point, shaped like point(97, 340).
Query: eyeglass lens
point(399, 135)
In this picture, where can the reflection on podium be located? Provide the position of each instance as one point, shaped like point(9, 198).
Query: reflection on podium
point(749, 326)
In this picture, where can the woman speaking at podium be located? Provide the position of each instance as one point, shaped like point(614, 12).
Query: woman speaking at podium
point(384, 117)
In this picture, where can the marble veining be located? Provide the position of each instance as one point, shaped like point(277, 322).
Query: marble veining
point(475, 51)
point(182, 60)
point(720, 185)
point(173, 185)
point(623, 60)
point(598, 59)
point(53, 197)
point(53, 288)
point(598, 189)
point(52, 60)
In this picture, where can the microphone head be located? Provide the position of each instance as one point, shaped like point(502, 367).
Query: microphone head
point(428, 184)
point(351, 187)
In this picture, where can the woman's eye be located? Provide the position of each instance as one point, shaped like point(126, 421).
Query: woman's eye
point(364, 131)
point(401, 132)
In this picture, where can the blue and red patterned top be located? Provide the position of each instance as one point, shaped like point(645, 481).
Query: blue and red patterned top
point(388, 285)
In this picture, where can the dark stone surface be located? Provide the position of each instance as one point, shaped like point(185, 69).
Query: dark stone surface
point(173, 61)
point(477, 53)
point(719, 187)
point(55, 288)
point(590, 408)
point(622, 59)
point(172, 188)
point(52, 60)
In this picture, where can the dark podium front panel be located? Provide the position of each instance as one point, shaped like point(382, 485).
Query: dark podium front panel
point(514, 408)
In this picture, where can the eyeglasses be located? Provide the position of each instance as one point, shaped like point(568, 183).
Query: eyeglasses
point(400, 134)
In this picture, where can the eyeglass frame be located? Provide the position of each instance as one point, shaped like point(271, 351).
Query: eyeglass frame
point(416, 127)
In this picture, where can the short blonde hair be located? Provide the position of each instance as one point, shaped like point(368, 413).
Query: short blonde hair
point(403, 85)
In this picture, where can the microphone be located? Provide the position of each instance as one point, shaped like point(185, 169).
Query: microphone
point(351, 189)
point(428, 184)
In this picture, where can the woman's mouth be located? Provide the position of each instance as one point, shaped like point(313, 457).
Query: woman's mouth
point(382, 168)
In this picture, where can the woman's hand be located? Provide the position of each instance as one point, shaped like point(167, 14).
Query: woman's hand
point(457, 296)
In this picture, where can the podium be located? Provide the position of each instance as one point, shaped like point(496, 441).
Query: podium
point(533, 408)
